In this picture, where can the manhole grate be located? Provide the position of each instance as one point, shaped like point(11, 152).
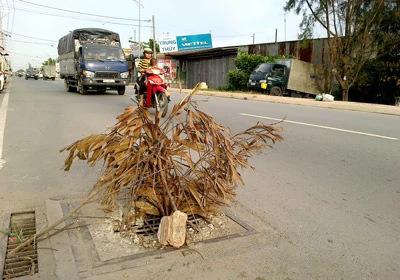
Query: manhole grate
point(25, 262)
point(151, 224)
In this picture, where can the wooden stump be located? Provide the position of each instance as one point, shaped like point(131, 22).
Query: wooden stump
point(172, 229)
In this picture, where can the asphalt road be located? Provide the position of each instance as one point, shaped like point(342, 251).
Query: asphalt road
point(329, 193)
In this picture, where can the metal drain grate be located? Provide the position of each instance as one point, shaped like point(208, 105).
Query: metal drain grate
point(25, 262)
point(152, 223)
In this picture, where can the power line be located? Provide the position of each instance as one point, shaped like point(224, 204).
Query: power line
point(12, 40)
point(32, 37)
point(71, 17)
point(8, 16)
point(12, 24)
point(87, 14)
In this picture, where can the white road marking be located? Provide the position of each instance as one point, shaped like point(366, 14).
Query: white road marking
point(322, 126)
point(3, 114)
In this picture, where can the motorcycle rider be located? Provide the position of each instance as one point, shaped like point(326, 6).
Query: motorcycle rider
point(144, 63)
point(158, 75)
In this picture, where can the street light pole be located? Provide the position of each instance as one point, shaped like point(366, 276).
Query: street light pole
point(139, 47)
point(154, 38)
point(140, 7)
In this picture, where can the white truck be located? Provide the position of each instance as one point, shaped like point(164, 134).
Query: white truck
point(49, 72)
point(288, 76)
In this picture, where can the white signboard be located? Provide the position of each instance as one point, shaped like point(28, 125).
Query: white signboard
point(168, 45)
point(134, 48)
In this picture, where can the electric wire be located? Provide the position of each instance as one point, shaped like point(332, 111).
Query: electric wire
point(85, 19)
point(81, 13)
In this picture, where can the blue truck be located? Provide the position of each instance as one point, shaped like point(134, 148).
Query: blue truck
point(92, 59)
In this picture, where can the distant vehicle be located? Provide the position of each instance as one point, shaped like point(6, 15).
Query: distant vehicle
point(30, 73)
point(49, 72)
point(20, 74)
point(84, 63)
point(5, 73)
point(1, 81)
point(287, 76)
point(40, 75)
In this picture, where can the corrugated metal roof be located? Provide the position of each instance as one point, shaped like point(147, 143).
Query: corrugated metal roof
point(202, 53)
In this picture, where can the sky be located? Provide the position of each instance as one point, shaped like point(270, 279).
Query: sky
point(31, 28)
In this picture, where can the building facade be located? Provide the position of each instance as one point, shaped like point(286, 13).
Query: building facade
point(212, 65)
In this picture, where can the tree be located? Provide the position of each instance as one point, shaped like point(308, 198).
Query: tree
point(187, 162)
point(148, 44)
point(350, 27)
point(50, 61)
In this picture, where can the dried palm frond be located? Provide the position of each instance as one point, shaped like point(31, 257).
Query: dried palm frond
point(188, 162)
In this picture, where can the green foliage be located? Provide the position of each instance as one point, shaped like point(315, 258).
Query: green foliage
point(248, 62)
point(148, 44)
point(379, 78)
point(245, 64)
point(237, 80)
point(50, 61)
point(378, 82)
point(151, 43)
point(358, 31)
point(18, 234)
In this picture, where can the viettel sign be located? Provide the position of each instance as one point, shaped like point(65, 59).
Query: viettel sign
point(194, 42)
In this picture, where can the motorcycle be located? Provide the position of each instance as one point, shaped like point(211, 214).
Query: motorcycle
point(156, 88)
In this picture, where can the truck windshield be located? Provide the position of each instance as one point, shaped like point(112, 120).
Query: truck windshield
point(103, 53)
point(264, 67)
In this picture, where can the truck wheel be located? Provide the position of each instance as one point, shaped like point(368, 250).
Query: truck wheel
point(121, 90)
point(276, 91)
point(81, 88)
point(53, 78)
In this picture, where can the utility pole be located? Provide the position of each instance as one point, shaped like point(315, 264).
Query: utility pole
point(154, 38)
point(1, 40)
point(254, 37)
point(284, 20)
point(140, 7)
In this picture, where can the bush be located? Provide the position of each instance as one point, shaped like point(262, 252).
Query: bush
point(377, 83)
point(237, 80)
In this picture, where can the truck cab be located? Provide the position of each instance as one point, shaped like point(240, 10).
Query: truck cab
point(103, 67)
point(92, 59)
point(268, 76)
